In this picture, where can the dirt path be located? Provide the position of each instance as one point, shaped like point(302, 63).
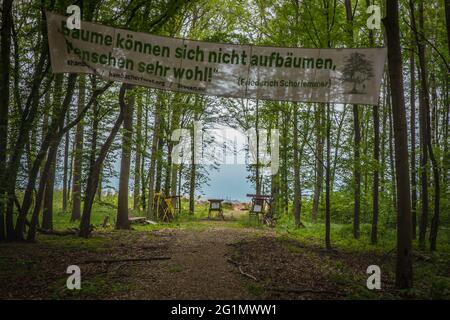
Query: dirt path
point(198, 268)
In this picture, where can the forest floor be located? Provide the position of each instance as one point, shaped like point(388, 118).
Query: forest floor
point(203, 259)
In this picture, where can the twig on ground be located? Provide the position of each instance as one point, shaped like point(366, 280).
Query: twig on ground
point(237, 264)
point(246, 274)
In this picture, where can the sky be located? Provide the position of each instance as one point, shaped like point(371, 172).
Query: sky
point(228, 183)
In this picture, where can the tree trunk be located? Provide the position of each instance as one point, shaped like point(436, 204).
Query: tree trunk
point(40, 194)
point(65, 191)
point(46, 143)
point(404, 276)
point(151, 171)
point(192, 174)
point(357, 172)
point(423, 103)
point(297, 191)
point(413, 144)
point(175, 123)
point(52, 140)
point(122, 221)
point(428, 145)
point(159, 159)
point(357, 139)
point(391, 154)
point(5, 61)
point(78, 161)
point(319, 124)
point(327, 183)
point(94, 171)
point(143, 176)
point(138, 153)
point(47, 214)
point(447, 19)
point(257, 172)
point(376, 177)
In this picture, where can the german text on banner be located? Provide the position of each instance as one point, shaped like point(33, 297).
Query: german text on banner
point(227, 70)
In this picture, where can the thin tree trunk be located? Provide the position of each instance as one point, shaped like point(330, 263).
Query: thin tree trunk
point(151, 171)
point(122, 221)
point(47, 214)
point(174, 167)
point(447, 19)
point(376, 157)
point(159, 159)
point(297, 190)
point(391, 154)
point(46, 143)
point(319, 124)
point(356, 141)
point(376, 177)
point(423, 110)
point(413, 144)
point(404, 274)
point(356, 173)
point(65, 191)
point(143, 176)
point(327, 183)
point(137, 165)
point(5, 61)
point(257, 173)
point(192, 174)
point(336, 149)
point(285, 171)
point(428, 147)
point(78, 161)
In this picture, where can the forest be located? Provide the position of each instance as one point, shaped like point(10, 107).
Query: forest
point(88, 176)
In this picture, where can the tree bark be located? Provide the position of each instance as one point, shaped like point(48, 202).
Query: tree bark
point(376, 177)
point(47, 215)
point(447, 19)
point(151, 171)
point(257, 172)
point(319, 124)
point(5, 62)
point(327, 183)
point(78, 161)
point(192, 173)
point(138, 153)
point(413, 144)
point(356, 173)
point(94, 171)
point(46, 143)
point(65, 191)
point(297, 190)
point(428, 144)
point(122, 221)
point(404, 273)
point(356, 141)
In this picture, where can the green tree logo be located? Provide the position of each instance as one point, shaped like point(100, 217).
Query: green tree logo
point(358, 69)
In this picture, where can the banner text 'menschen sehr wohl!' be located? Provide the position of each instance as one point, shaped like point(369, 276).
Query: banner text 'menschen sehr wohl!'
point(227, 70)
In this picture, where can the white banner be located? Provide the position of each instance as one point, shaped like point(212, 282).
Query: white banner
point(220, 69)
